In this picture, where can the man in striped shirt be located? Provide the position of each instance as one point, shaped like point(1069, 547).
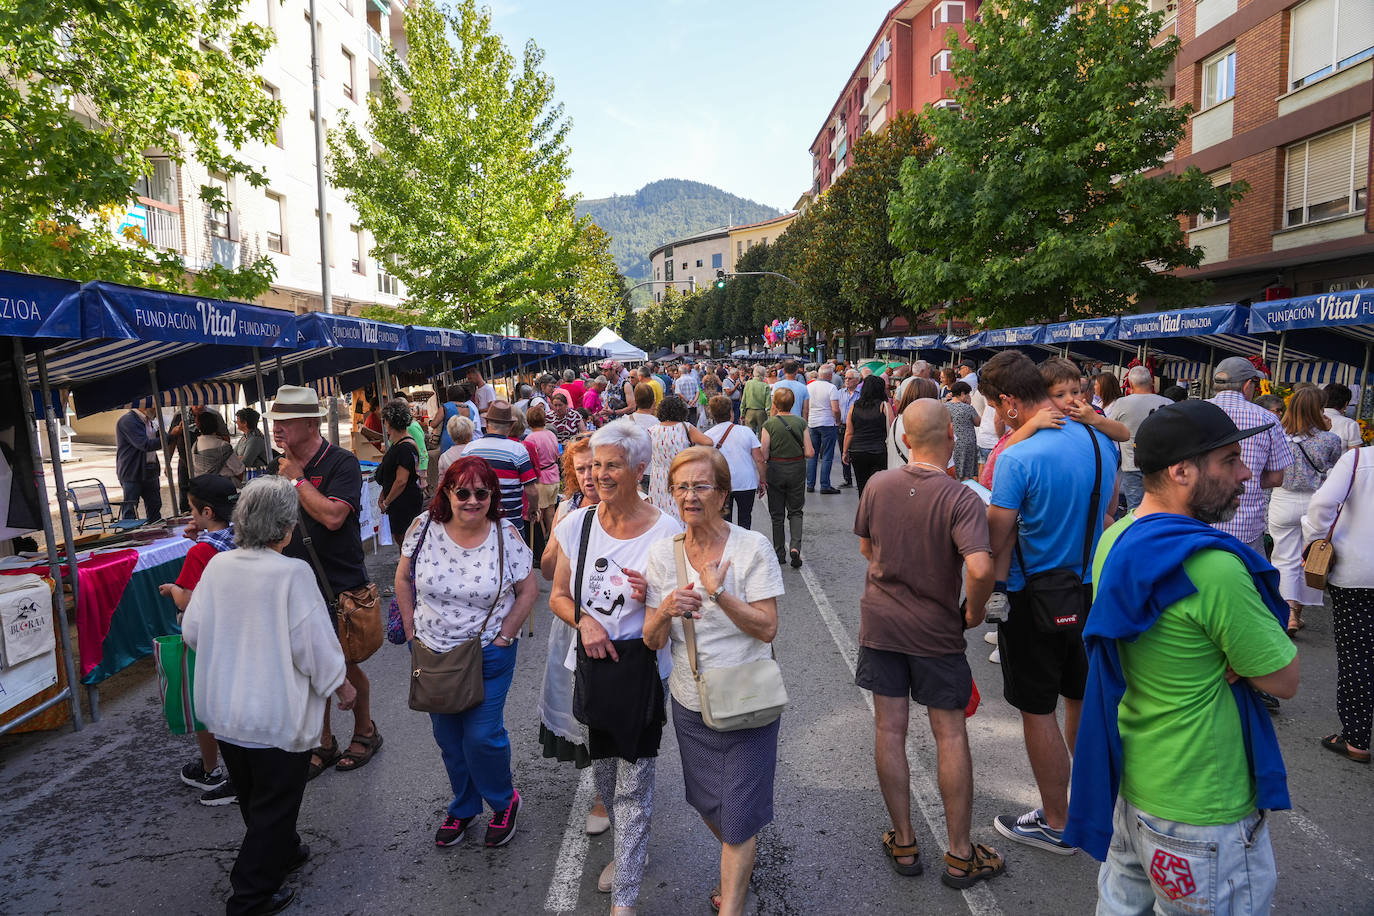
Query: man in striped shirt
point(1266, 454)
point(511, 462)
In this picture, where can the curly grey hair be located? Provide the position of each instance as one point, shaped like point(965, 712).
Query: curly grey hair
point(397, 415)
point(460, 429)
point(626, 435)
point(266, 512)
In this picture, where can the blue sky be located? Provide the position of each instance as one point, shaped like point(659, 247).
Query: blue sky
point(729, 93)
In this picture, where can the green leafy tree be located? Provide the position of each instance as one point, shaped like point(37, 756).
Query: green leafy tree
point(591, 293)
point(466, 196)
point(88, 89)
point(1041, 202)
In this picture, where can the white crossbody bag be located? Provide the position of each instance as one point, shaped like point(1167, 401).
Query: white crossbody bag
point(750, 695)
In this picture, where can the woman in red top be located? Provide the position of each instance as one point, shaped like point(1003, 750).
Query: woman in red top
point(212, 499)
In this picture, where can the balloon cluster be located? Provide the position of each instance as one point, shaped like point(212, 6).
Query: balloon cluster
point(783, 329)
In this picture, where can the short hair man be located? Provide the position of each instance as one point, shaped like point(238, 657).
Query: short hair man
point(848, 395)
point(917, 526)
point(136, 446)
point(1132, 411)
point(1236, 381)
point(329, 486)
point(482, 391)
point(1198, 762)
point(791, 370)
point(1337, 399)
point(823, 423)
point(1042, 503)
point(511, 462)
point(687, 387)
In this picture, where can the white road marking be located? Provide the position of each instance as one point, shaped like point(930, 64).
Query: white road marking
point(572, 855)
point(979, 898)
point(1329, 847)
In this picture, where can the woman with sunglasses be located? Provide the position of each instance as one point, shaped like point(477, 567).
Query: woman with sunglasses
point(733, 584)
point(564, 421)
point(447, 584)
point(599, 591)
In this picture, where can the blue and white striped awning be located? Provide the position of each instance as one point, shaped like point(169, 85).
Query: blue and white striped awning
point(197, 394)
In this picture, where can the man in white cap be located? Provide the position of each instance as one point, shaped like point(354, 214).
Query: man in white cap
point(329, 485)
point(1236, 381)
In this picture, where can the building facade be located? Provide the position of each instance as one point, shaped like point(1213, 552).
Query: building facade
point(905, 67)
point(689, 263)
point(281, 221)
point(742, 238)
point(1282, 92)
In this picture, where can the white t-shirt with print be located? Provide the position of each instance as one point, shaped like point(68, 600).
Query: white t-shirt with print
point(754, 575)
point(456, 586)
point(605, 589)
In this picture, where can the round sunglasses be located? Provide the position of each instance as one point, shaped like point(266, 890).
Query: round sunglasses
point(464, 494)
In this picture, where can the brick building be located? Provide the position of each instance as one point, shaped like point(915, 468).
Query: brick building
point(1282, 92)
point(905, 67)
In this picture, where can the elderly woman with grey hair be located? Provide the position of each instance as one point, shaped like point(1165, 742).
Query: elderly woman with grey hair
point(598, 590)
point(460, 430)
point(266, 662)
point(399, 473)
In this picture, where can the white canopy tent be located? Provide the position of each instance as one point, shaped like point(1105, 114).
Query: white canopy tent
point(619, 348)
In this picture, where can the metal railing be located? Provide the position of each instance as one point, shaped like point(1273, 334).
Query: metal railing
point(164, 224)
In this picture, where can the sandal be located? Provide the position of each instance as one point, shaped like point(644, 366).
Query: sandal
point(1337, 744)
point(370, 744)
point(326, 757)
point(1295, 622)
point(983, 864)
point(894, 851)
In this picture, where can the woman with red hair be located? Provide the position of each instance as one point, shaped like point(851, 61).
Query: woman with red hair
point(466, 573)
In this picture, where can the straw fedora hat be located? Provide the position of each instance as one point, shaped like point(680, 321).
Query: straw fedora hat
point(294, 402)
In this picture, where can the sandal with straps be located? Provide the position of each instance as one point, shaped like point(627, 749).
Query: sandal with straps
point(985, 863)
point(893, 850)
point(1337, 744)
point(370, 745)
point(328, 756)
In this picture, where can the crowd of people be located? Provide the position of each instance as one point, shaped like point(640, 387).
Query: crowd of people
point(1025, 495)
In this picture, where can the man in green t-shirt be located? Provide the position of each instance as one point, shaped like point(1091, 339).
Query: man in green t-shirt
point(1186, 834)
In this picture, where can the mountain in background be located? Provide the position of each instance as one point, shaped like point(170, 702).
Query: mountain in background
point(662, 211)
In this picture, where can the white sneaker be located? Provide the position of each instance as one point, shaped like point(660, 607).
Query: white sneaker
point(996, 657)
point(597, 824)
point(606, 879)
point(990, 637)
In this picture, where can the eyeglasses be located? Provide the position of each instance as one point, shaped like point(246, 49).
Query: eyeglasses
point(464, 494)
point(700, 489)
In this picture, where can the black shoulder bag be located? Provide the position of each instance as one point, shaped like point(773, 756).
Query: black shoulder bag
point(625, 698)
point(1057, 598)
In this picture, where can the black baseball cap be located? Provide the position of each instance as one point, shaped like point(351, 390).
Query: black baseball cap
point(1185, 430)
point(216, 491)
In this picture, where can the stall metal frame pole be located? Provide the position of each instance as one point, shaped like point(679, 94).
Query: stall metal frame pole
point(64, 645)
point(262, 400)
point(1278, 363)
point(1363, 380)
point(1208, 382)
point(185, 434)
point(162, 437)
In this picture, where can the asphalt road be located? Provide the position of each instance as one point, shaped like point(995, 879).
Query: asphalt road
point(98, 822)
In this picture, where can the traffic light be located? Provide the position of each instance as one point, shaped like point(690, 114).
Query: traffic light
point(720, 279)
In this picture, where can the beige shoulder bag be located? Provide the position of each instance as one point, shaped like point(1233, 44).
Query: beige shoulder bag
point(1320, 556)
point(741, 696)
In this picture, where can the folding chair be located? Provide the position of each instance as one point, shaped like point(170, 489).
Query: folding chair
point(89, 500)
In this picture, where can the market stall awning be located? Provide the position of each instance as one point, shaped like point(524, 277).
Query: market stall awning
point(32, 306)
point(1027, 336)
point(911, 344)
point(196, 394)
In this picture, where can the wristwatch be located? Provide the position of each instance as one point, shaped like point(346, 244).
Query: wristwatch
point(510, 640)
point(715, 595)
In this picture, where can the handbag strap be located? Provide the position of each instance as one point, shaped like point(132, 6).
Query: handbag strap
point(725, 435)
point(315, 563)
point(587, 518)
point(1350, 486)
point(500, 573)
point(1312, 464)
point(1092, 514)
point(689, 626)
point(415, 555)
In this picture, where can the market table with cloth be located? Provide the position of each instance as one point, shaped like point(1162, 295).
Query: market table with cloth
point(118, 608)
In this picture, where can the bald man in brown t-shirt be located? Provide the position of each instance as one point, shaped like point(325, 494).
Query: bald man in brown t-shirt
point(917, 527)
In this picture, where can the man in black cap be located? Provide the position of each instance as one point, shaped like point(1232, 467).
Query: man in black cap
point(1187, 626)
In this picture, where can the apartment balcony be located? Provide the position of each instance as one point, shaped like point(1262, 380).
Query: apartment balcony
point(878, 120)
point(376, 45)
point(156, 221)
point(876, 97)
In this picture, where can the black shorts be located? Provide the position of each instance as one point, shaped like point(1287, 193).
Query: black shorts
point(942, 682)
point(1038, 668)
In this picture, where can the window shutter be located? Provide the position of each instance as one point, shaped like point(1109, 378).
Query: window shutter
point(1362, 155)
point(1221, 177)
point(1293, 196)
point(1328, 168)
point(1311, 47)
point(1354, 28)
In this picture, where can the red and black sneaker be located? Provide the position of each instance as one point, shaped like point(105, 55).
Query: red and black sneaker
point(452, 829)
point(502, 826)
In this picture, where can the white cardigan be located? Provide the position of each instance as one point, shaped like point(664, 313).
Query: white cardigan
point(266, 656)
point(1354, 566)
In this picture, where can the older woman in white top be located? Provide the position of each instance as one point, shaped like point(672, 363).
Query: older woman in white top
point(267, 660)
point(1349, 493)
point(609, 620)
point(733, 586)
point(465, 573)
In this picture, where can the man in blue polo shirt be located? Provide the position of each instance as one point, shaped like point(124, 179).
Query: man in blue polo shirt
point(792, 381)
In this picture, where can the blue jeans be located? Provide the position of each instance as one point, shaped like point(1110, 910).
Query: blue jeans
point(1132, 488)
point(823, 445)
point(1154, 865)
point(475, 745)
